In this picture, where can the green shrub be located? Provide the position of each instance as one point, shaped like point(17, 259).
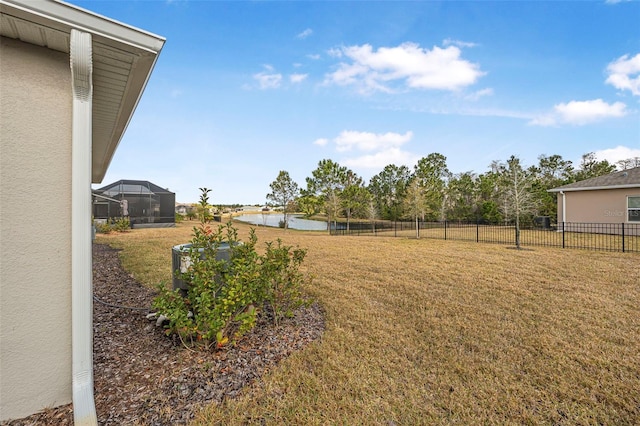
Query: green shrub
point(117, 224)
point(120, 224)
point(280, 273)
point(102, 228)
point(224, 298)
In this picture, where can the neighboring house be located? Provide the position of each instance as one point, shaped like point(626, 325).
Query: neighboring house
point(70, 81)
point(144, 203)
point(608, 199)
point(183, 209)
point(249, 209)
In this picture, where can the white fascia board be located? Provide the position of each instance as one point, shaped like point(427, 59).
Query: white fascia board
point(64, 16)
point(595, 188)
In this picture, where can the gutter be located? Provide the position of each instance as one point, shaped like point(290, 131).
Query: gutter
point(595, 188)
point(84, 410)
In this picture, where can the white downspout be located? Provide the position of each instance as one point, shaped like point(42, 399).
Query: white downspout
point(84, 411)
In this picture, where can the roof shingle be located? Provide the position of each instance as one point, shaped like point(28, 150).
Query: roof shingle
point(629, 178)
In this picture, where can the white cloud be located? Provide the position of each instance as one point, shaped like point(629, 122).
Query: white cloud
point(580, 113)
point(613, 155)
point(348, 140)
point(304, 34)
point(297, 78)
point(545, 120)
point(314, 57)
point(478, 94)
point(615, 1)
point(380, 149)
point(381, 159)
point(459, 43)
point(624, 74)
point(335, 52)
point(268, 79)
point(583, 112)
point(375, 70)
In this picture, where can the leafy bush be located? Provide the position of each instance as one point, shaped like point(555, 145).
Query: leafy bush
point(117, 224)
point(102, 227)
point(120, 224)
point(224, 298)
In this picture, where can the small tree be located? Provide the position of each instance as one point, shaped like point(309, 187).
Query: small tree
point(332, 206)
point(326, 181)
point(371, 212)
point(284, 192)
point(518, 196)
point(203, 207)
point(416, 203)
point(353, 196)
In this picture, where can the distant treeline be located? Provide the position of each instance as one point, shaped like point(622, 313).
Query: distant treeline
point(433, 193)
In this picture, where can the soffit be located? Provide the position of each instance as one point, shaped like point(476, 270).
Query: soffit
point(123, 59)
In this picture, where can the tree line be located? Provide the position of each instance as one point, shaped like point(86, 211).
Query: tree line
point(508, 192)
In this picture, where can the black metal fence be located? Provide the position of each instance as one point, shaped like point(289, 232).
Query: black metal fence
point(621, 237)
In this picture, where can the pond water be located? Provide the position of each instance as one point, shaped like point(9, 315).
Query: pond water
point(273, 219)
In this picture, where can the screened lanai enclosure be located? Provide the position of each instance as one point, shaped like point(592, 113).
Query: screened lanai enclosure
point(144, 203)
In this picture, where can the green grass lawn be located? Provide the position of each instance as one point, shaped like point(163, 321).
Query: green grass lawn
point(440, 332)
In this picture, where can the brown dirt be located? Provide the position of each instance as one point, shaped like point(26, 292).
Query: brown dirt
point(142, 376)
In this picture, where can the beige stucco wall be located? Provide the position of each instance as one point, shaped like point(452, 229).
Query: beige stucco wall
point(599, 206)
point(35, 228)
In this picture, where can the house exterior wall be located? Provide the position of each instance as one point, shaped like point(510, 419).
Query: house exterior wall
point(597, 206)
point(35, 228)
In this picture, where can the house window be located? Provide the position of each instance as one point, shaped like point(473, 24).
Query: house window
point(633, 210)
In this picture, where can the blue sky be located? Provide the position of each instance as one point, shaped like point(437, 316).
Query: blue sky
point(243, 90)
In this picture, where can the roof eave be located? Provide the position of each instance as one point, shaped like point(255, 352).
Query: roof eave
point(64, 16)
point(143, 47)
point(595, 188)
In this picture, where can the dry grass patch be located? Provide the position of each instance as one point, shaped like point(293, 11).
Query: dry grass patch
point(438, 332)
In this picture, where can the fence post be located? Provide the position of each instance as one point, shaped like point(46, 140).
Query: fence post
point(563, 227)
point(477, 231)
point(395, 228)
point(445, 230)
point(623, 237)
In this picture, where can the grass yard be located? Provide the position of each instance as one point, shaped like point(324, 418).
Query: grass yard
point(442, 332)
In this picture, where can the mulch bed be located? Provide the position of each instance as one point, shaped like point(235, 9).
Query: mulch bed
point(142, 376)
